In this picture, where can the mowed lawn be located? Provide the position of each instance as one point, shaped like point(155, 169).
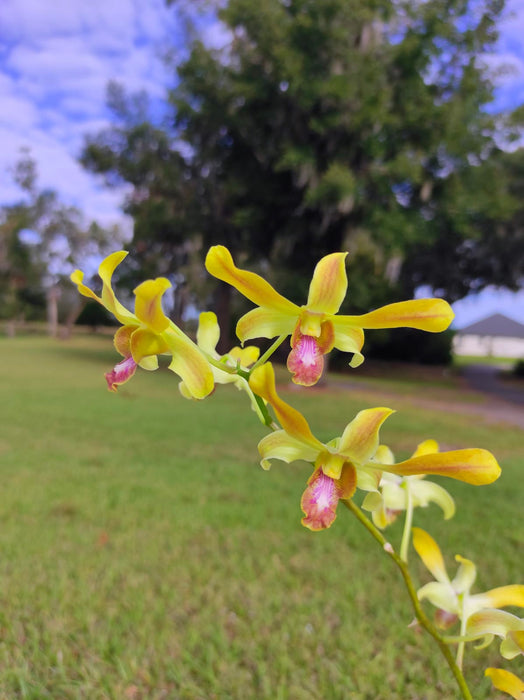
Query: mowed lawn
point(144, 553)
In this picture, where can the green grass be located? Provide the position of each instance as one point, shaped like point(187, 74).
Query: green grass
point(144, 553)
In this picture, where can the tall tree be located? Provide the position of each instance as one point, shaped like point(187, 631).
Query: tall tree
point(341, 124)
point(41, 242)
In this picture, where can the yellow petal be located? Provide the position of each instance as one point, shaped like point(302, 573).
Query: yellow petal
point(440, 595)
point(262, 383)
point(189, 363)
point(208, 333)
point(507, 682)
point(349, 338)
point(474, 466)
point(148, 303)
point(150, 363)
point(500, 623)
point(109, 300)
point(219, 263)
point(77, 278)
point(246, 356)
point(433, 315)
point(280, 445)
point(384, 455)
point(265, 323)
point(466, 575)
point(144, 343)
point(429, 551)
point(426, 448)
point(359, 441)
point(329, 284)
point(122, 339)
point(425, 492)
point(502, 596)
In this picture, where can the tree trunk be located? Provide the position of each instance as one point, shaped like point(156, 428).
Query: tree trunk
point(52, 310)
point(223, 312)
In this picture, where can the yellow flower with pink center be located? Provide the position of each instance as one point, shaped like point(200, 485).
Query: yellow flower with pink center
point(148, 332)
point(315, 328)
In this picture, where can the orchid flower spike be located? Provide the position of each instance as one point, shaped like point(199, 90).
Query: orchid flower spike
point(452, 597)
point(395, 492)
point(148, 332)
point(315, 328)
point(350, 461)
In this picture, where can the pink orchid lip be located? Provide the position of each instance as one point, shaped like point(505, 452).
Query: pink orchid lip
point(319, 501)
point(121, 373)
point(305, 360)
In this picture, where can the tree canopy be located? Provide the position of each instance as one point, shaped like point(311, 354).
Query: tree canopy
point(41, 241)
point(333, 125)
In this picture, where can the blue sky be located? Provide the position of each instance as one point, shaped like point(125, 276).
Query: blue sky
point(57, 56)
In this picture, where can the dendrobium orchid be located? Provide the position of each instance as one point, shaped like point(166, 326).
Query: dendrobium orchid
point(507, 682)
point(208, 335)
point(349, 461)
point(398, 494)
point(148, 332)
point(453, 598)
point(315, 328)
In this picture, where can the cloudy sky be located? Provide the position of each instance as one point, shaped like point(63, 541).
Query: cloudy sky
point(57, 56)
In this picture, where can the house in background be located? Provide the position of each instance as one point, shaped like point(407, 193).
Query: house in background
point(494, 336)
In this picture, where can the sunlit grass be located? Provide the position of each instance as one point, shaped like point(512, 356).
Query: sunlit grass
point(145, 554)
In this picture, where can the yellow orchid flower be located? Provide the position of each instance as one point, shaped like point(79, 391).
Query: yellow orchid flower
point(349, 461)
point(499, 623)
point(315, 328)
point(396, 492)
point(208, 335)
point(507, 682)
point(148, 332)
point(453, 598)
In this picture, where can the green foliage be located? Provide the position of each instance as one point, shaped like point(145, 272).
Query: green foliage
point(518, 370)
point(33, 269)
point(328, 126)
point(93, 314)
point(128, 568)
point(411, 345)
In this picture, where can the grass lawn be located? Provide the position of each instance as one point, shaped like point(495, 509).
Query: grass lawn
point(144, 554)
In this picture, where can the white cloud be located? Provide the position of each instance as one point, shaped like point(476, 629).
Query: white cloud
point(55, 62)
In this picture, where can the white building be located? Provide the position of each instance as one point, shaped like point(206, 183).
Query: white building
point(494, 336)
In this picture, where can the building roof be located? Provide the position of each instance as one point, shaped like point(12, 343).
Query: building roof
point(495, 325)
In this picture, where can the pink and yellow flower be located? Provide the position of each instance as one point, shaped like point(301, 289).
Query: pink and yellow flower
point(349, 461)
point(315, 328)
point(148, 332)
point(452, 597)
point(507, 682)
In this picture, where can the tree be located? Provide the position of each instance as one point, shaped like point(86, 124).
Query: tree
point(41, 242)
point(330, 125)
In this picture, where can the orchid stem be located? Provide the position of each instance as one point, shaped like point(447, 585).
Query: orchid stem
point(421, 616)
point(274, 346)
point(461, 645)
point(406, 535)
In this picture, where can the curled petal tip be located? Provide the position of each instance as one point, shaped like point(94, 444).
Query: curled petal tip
point(121, 373)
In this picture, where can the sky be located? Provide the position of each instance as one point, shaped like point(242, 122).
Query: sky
point(57, 56)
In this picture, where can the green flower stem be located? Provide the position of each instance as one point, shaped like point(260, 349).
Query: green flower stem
point(220, 364)
point(421, 616)
point(406, 535)
point(461, 645)
point(274, 346)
